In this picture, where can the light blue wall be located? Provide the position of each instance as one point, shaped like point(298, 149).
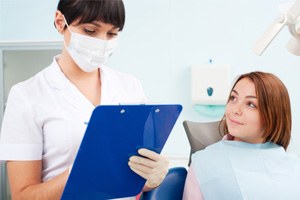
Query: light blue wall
point(163, 38)
point(27, 20)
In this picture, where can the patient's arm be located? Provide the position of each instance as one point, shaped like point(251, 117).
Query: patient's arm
point(191, 187)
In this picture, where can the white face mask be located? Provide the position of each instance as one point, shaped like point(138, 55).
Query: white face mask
point(90, 53)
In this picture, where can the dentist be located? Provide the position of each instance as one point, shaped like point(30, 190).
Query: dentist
point(43, 124)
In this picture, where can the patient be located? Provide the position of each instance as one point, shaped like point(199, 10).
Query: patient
point(251, 161)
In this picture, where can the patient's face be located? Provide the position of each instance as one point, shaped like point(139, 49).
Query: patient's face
point(242, 114)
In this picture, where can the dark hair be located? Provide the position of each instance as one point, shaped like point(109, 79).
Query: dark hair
point(274, 107)
point(86, 11)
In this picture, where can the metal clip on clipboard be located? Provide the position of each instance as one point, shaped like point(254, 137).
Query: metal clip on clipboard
point(114, 133)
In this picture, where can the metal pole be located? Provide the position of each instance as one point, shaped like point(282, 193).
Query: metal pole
point(3, 178)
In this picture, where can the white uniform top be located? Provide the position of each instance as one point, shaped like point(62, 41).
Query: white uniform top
point(45, 117)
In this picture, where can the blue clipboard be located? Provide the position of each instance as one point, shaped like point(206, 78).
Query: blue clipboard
point(115, 133)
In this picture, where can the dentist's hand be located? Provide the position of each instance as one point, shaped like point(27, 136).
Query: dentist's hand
point(152, 166)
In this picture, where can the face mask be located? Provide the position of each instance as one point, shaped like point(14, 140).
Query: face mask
point(90, 53)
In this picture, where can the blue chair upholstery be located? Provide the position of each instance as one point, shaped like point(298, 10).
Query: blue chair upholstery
point(171, 188)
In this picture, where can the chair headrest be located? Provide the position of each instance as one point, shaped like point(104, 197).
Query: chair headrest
point(202, 134)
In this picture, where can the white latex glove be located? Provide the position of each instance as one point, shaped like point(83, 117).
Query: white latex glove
point(152, 166)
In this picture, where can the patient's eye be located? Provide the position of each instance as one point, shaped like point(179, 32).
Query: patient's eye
point(232, 98)
point(251, 104)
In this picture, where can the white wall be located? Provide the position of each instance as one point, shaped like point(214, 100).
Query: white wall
point(163, 38)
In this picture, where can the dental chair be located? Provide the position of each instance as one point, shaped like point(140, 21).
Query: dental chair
point(171, 188)
point(202, 134)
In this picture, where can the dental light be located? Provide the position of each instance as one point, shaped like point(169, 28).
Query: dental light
point(291, 18)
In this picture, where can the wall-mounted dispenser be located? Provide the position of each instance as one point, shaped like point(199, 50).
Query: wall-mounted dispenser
point(210, 88)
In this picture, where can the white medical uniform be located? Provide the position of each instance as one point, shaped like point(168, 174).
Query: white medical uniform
point(45, 117)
